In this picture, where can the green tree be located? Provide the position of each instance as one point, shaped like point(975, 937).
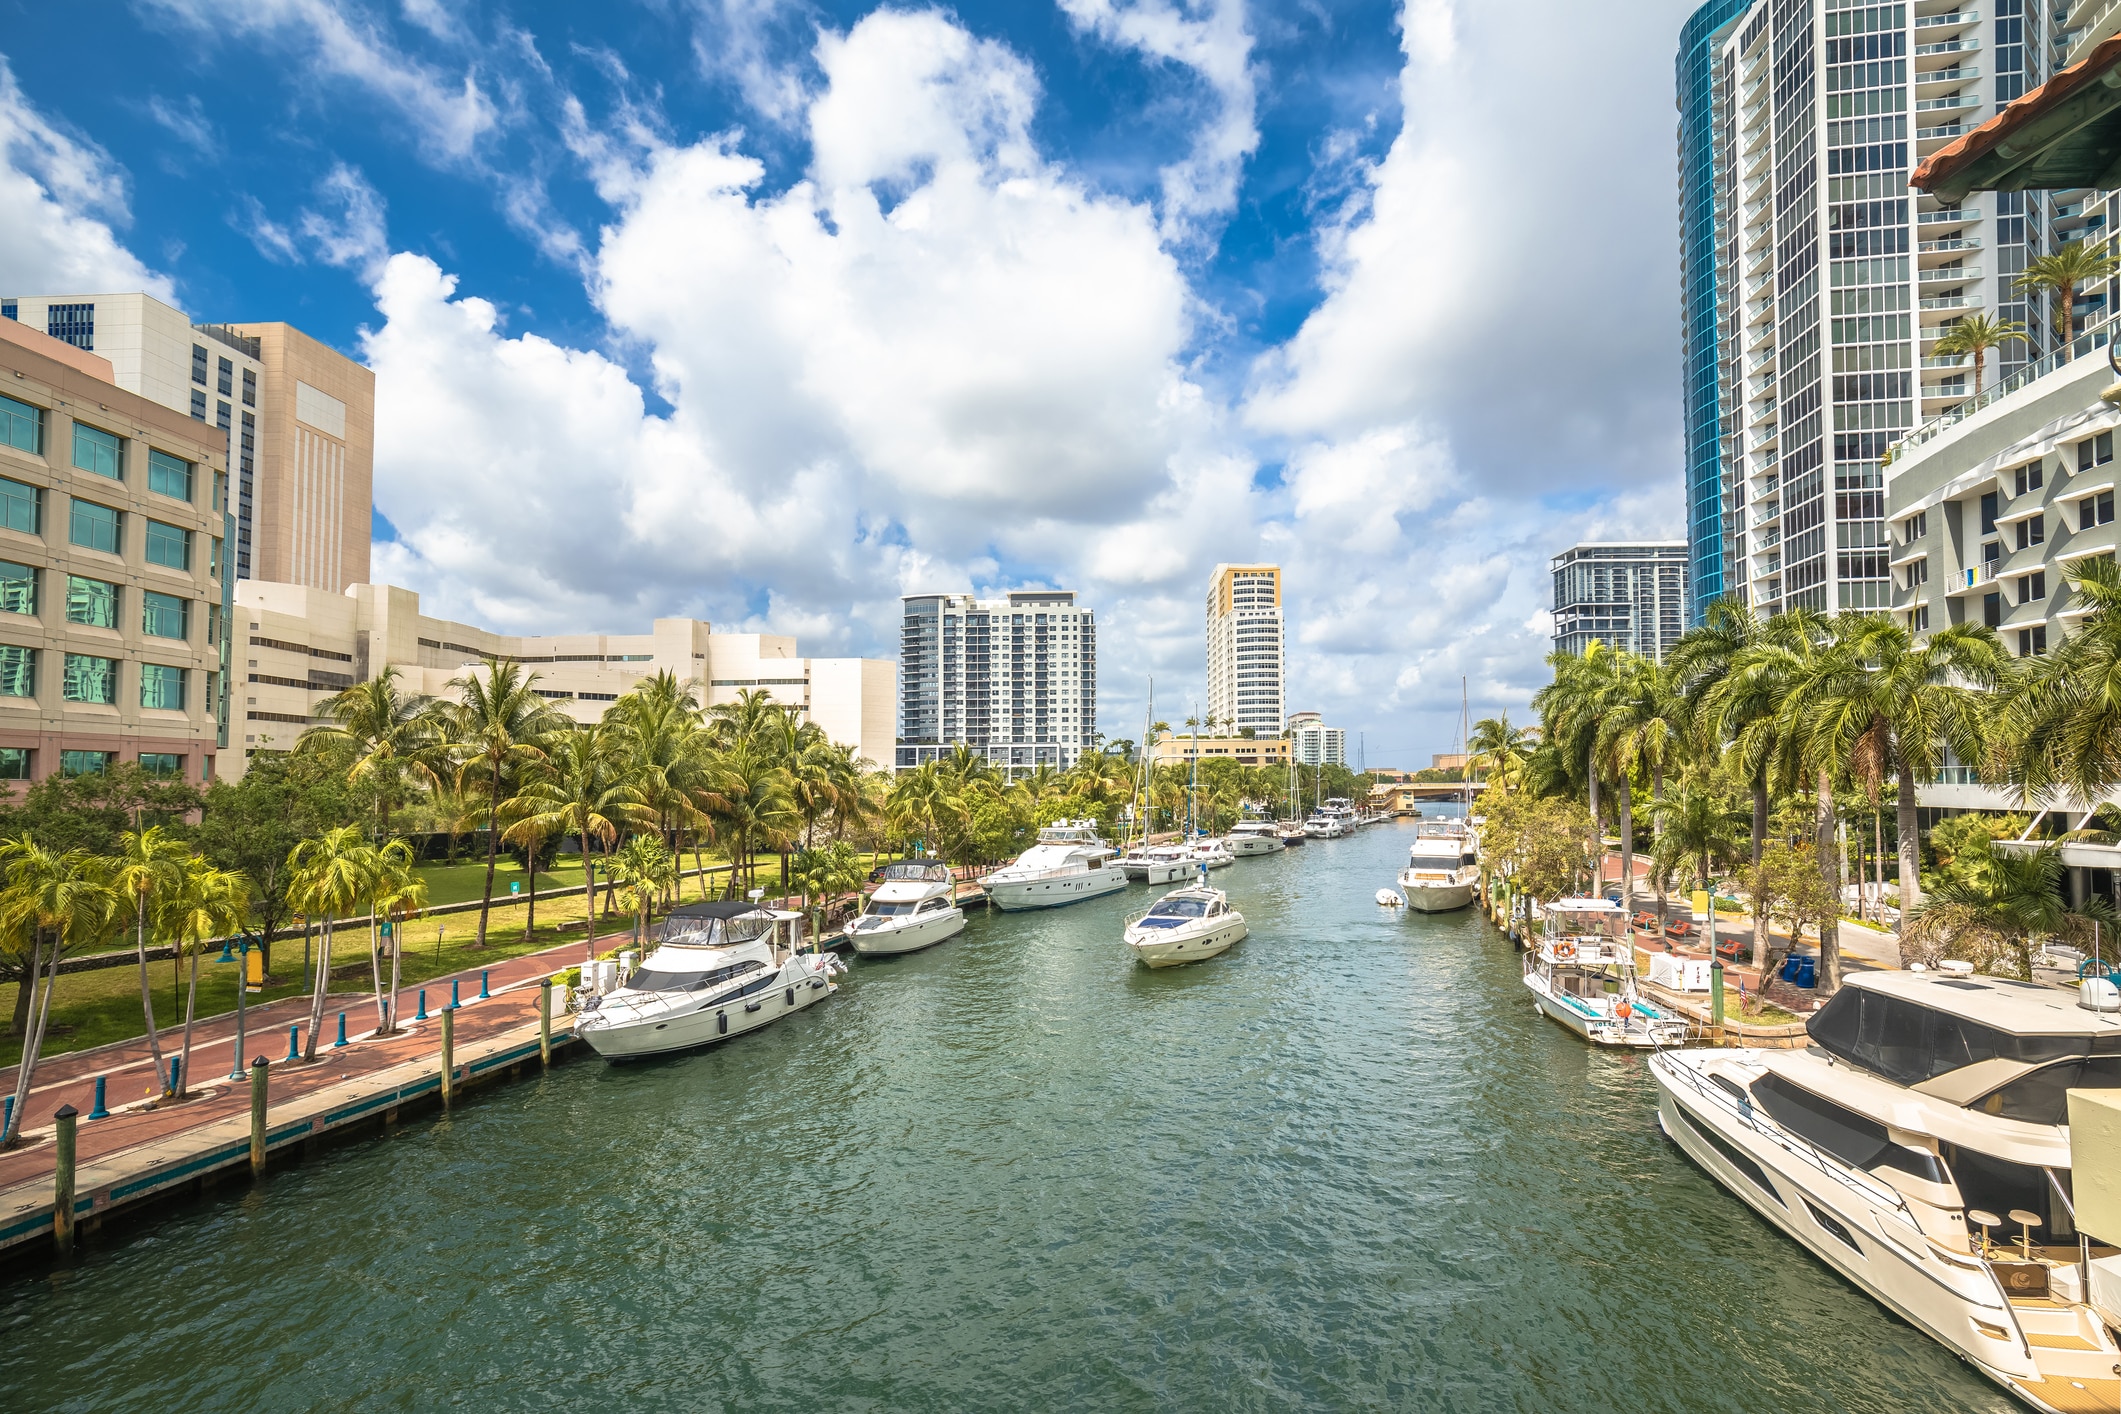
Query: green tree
point(327, 876)
point(2083, 262)
point(1976, 334)
point(824, 872)
point(2059, 736)
point(252, 826)
point(1696, 824)
point(149, 866)
point(1991, 916)
point(495, 726)
point(1498, 752)
point(206, 903)
point(578, 785)
point(59, 898)
point(380, 735)
point(401, 894)
point(644, 868)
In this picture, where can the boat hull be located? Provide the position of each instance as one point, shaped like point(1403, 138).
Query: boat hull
point(795, 988)
point(1056, 892)
point(1190, 946)
point(1437, 898)
point(1157, 871)
point(923, 932)
point(1242, 846)
point(1648, 1029)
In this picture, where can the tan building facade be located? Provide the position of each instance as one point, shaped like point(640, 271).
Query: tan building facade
point(1247, 648)
point(316, 459)
point(298, 644)
point(111, 558)
point(1176, 749)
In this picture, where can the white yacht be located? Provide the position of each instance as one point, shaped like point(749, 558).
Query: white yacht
point(1185, 925)
point(719, 970)
point(913, 908)
point(1325, 824)
point(1950, 1144)
point(1067, 865)
point(1157, 863)
point(1208, 852)
point(1249, 837)
point(1583, 975)
point(1443, 869)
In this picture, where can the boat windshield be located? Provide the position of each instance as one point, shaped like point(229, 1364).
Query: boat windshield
point(649, 980)
point(889, 910)
point(916, 874)
point(1180, 908)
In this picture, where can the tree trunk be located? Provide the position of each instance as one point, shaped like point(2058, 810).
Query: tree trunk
point(316, 1001)
point(697, 867)
point(26, 1072)
point(1829, 857)
point(1597, 834)
point(397, 954)
point(375, 965)
point(493, 845)
point(530, 918)
point(147, 996)
point(1623, 808)
point(1910, 844)
point(1760, 814)
point(191, 1006)
point(25, 992)
point(589, 895)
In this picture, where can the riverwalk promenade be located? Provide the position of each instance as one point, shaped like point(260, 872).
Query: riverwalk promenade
point(147, 1148)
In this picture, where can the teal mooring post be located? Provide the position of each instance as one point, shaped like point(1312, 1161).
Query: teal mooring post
point(1716, 998)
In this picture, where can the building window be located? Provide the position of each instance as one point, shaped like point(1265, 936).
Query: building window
point(97, 451)
point(14, 760)
point(22, 426)
point(161, 688)
point(1992, 609)
point(1991, 556)
point(18, 588)
point(168, 545)
point(21, 506)
point(2095, 451)
point(250, 387)
point(162, 763)
point(198, 367)
point(91, 602)
point(1918, 573)
point(2032, 531)
point(2095, 510)
point(2032, 642)
point(222, 414)
point(74, 323)
point(18, 671)
point(7, 309)
point(1918, 525)
point(2032, 587)
point(198, 404)
point(226, 383)
point(94, 527)
point(90, 679)
point(2029, 478)
point(85, 763)
point(213, 559)
point(1918, 619)
point(213, 625)
point(164, 615)
point(1988, 513)
point(168, 475)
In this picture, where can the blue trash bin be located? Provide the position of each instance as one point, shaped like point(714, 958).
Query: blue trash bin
point(1800, 971)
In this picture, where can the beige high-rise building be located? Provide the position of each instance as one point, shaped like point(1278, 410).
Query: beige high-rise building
point(1247, 680)
point(299, 418)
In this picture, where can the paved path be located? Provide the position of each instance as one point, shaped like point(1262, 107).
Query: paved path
point(70, 1079)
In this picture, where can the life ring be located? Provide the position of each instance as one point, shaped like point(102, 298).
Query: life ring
point(1564, 950)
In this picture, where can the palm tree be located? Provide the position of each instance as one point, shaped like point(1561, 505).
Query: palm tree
point(578, 785)
point(400, 902)
point(2060, 736)
point(2082, 262)
point(1991, 915)
point(494, 727)
point(925, 800)
point(390, 875)
point(824, 873)
point(1878, 704)
point(1640, 727)
point(1497, 752)
point(1696, 824)
point(644, 867)
point(327, 876)
point(378, 734)
point(62, 899)
point(149, 863)
point(1976, 334)
point(660, 725)
point(208, 903)
point(748, 796)
point(1571, 708)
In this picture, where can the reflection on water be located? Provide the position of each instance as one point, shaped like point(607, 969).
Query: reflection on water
point(1345, 1164)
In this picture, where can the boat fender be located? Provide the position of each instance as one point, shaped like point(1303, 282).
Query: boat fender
point(751, 1006)
point(791, 996)
point(1564, 950)
point(721, 1023)
point(816, 982)
point(1624, 1010)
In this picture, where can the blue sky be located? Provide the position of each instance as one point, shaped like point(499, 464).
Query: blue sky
point(771, 312)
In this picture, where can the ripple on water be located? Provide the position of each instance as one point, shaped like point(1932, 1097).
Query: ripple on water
point(1344, 1164)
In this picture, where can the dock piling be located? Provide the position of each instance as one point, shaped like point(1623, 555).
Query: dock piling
point(258, 1070)
point(545, 1022)
point(1716, 999)
point(342, 1032)
point(63, 1179)
point(449, 1054)
point(100, 1110)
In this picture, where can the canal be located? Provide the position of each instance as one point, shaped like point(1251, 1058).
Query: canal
point(1345, 1165)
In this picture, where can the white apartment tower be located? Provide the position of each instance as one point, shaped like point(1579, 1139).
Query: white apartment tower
point(1015, 679)
point(1313, 743)
point(1832, 281)
point(1246, 643)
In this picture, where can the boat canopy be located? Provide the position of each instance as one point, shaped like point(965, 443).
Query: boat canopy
point(1582, 916)
point(914, 871)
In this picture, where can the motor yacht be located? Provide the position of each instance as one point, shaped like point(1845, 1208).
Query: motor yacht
point(1951, 1145)
point(1067, 865)
point(720, 969)
point(1185, 925)
point(1443, 869)
point(1157, 863)
point(1582, 974)
point(1249, 837)
point(1325, 824)
point(914, 907)
point(1209, 852)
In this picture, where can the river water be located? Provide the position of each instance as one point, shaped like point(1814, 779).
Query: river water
point(1344, 1165)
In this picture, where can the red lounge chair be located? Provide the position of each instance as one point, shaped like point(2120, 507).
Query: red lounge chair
point(1644, 922)
point(1734, 949)
point(1679, 928)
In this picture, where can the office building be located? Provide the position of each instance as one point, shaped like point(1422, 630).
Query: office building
point(1246, 648)
point(1313, 743)
point(112, 596)
point(1628, 596)
point(299, 417)
point(1181, 748)
point(300, 644)
point(1014, 679)
point(1828, 282)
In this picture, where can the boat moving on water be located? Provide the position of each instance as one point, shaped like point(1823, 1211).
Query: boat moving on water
point(1067, 865)
point(1928, 1112)
point(1582, 974)
point(1185, 925)
point(910, 910)
point(720, 970)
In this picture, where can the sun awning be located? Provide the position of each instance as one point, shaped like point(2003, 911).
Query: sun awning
point(2065, 133)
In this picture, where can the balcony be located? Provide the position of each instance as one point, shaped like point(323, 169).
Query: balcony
point(1950, 20)
point(1949, 361)
point(1949, 302)
point(1949, 216)
point(1950, 243)
point(1961, 45)
point(1944, 274)
point(1941, 134)
point(1950, 102)
point(1957, 74)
